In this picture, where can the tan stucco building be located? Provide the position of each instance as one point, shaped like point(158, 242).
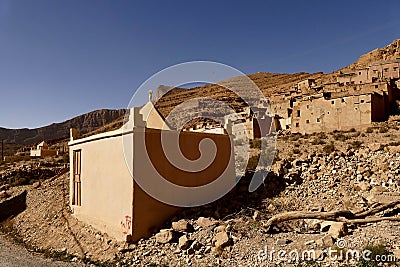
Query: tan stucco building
point(103, 191)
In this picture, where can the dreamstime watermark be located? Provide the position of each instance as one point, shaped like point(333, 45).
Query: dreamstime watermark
point(147, 163)
point(340, 252)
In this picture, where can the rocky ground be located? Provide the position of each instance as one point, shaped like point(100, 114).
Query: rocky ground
point(354, 170)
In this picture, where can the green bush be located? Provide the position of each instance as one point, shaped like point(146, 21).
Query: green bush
point(379, 249)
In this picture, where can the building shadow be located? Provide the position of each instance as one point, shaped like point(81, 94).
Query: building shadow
point(13, 206)
point(239, 200)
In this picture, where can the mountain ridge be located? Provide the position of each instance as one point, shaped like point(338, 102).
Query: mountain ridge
point(85, 123)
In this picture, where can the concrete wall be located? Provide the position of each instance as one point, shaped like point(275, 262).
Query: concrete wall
point(149, 213)
point(106, 184)
point(43, 152)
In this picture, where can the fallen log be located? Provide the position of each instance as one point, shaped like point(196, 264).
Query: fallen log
point(338, 216)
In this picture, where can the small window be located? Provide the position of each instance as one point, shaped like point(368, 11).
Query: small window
point(308, 106)
point(362, 101)
point(318, 120)
point(359, 73)
point(376, 86)
point(328, 113)
point(333, 102)
point(76, 200)
point(395, 68)
point(342, 100)
point(386, 69)
point(307, 121)
point(297, 124)
point(298, 113)
point(375, 71)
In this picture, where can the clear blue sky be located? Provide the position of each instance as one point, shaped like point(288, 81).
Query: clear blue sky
point(59, 59)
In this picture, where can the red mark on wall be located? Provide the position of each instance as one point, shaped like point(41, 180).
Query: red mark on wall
point(126, 225)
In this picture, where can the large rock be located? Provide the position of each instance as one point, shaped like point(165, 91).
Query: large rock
point(383, 197)
point(221, 239)
point(183, 242)
point(165, 236)
point(206, 222)
point(374, 147)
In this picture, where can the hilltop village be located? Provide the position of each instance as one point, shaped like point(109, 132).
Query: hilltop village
point(356, 99)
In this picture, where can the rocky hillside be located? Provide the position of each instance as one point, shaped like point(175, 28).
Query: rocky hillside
point(389, 52)
point(84, 123)
point(354, 172)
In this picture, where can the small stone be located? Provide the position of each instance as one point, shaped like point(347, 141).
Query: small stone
point(36, 184)
point(256, 215)
point(183, 242)
point(326, 241)
point(164, 236)
point(181, 226)
point(207, 249)
point(338, 229)
point(271, 208)
point(221, 239)
point(313, 224)
point(283, 242)
point(374, 147)
point(319, 255)
point(205, 222)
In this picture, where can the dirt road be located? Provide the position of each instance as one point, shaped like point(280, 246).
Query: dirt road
point(12, 255)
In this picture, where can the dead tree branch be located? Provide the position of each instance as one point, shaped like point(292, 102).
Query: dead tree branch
point(339, 216)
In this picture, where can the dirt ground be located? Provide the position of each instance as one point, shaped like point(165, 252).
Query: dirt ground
point(353, 170)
